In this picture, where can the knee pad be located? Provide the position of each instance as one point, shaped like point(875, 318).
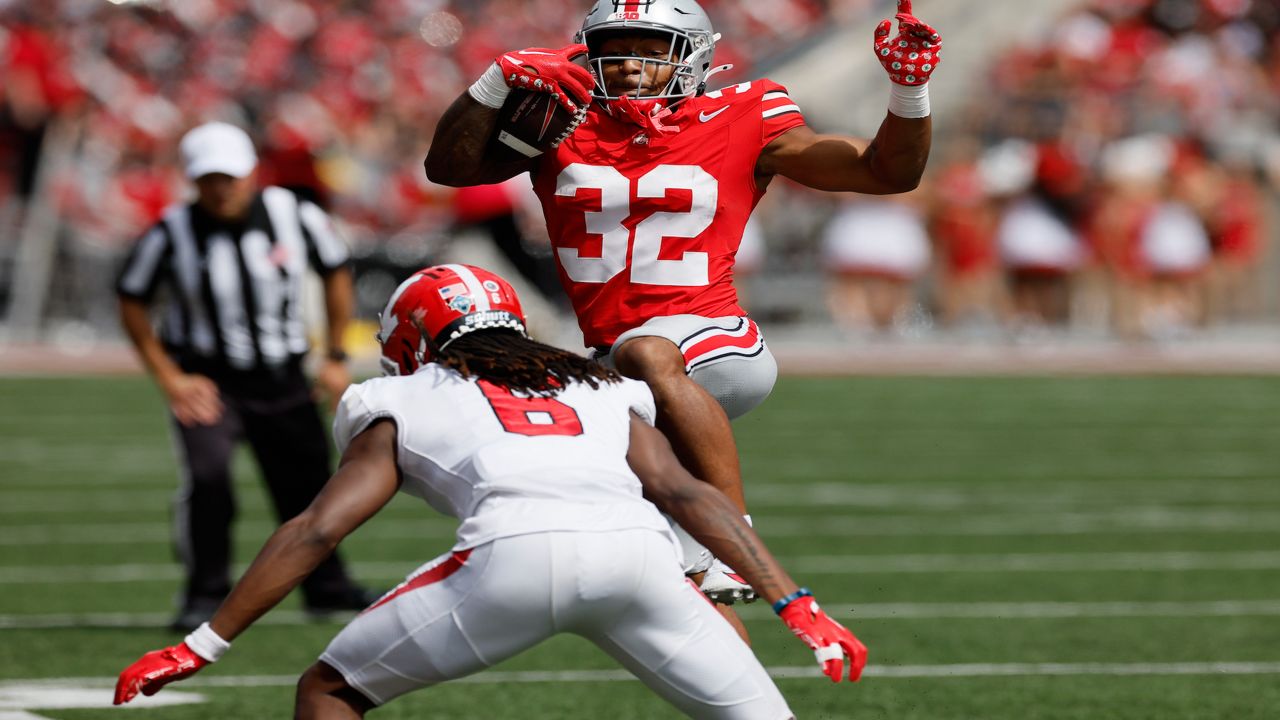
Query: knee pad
point(739, 384)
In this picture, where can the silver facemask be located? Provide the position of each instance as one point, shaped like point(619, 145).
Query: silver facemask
point(693, 42)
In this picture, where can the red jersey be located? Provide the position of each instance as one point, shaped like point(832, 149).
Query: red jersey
point(646, 224)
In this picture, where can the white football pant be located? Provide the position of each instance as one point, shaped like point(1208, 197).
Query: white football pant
point(727, 356)
point(623, 591)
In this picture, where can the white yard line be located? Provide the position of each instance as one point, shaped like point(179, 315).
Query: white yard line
point(1127, 521)
point(1045, 495)
point(1034, 562)
point(850, 610)
point(824, 564)
point(63, 621)
point(802, 671)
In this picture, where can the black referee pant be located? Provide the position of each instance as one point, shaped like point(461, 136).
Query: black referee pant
point(274, 412)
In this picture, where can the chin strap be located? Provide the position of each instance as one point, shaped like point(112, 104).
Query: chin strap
point(648, 114)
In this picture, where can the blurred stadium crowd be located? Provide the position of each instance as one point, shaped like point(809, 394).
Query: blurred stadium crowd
point(1114, 173)
point(1118, 168)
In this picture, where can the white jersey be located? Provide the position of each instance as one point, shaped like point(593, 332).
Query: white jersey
point(507, 464)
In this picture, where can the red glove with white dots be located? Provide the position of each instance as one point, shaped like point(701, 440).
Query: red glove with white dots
point(912, 56)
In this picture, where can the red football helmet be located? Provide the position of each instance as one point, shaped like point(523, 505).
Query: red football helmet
point(447, 302)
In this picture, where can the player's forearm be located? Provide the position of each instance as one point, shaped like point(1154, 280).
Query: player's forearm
point(288, 557)
point(460, 151)
point(898, 155)
point(713, 520)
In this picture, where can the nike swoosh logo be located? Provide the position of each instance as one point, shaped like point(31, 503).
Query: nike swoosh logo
point(705, 116)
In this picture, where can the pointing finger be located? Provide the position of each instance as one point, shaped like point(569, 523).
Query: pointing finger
point(904, 7)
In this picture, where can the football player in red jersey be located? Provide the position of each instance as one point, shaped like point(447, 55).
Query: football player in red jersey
point(647, 200)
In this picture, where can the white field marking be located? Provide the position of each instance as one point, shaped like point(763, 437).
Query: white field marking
point(1035, 562)
point(17, 697)
point(825, 564)
point(1048, 495)
point(149, 462)
point(63, 621)
point(784, 672)
point(1133, 521)
point(1027, 610)
point(758, 612)
point(1053, 496)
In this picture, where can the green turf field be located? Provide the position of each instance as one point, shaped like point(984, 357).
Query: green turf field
point(1085, 548)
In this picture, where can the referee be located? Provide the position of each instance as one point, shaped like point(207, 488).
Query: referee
point(229, 354)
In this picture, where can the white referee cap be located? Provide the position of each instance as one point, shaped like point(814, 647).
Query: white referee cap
point(217, 147)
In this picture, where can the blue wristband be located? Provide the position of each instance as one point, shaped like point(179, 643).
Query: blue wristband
point(802, 592)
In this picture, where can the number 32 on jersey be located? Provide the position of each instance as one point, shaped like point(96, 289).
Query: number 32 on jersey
point(647, 267)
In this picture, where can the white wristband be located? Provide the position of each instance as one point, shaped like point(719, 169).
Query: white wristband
point(206, 643)
point(909, 101)
point(490, 90)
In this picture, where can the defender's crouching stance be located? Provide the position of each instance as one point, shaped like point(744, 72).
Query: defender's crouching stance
point(547, 459)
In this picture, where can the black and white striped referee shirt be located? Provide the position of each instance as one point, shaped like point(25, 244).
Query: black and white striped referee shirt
point(234, 291)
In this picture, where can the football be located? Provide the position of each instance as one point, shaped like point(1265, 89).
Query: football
point(530, 122)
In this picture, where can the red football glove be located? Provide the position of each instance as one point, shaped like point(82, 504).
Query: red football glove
point(550, 71)
point(156, 669)
point(829, 640)
point(912, 56)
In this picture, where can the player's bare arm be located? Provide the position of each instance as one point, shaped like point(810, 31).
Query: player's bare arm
point(367, 478)
point(709, 516)
point(462, 152)
point(705, 512)
point(892, 162)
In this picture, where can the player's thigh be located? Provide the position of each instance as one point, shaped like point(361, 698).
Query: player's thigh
point(455, 616)
point(674, 640)
point(727, 356)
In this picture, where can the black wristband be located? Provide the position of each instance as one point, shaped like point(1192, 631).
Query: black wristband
point(337, 355)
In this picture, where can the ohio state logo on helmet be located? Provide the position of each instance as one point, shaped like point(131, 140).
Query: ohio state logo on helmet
point(442, 303)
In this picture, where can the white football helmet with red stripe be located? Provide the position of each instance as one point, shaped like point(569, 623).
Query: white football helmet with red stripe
point(693, 41)
point(443, 303)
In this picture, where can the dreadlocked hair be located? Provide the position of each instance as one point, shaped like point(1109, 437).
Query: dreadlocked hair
point(513, 361)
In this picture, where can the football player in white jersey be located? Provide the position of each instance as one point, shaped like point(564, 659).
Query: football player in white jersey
point(547, 459)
